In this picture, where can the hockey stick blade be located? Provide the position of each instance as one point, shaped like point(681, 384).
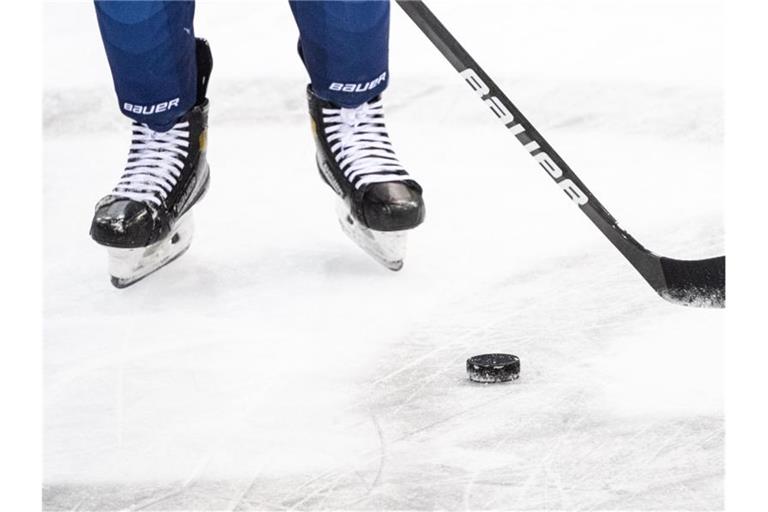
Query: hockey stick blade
point(686, 282)
point(694, 282)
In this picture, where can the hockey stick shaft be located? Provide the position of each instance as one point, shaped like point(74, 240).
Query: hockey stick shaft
point(650, 266)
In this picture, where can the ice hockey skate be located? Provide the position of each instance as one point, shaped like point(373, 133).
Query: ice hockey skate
point(146, 222)
point(378, 200)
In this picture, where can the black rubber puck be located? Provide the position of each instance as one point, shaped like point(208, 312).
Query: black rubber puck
point(493, 368)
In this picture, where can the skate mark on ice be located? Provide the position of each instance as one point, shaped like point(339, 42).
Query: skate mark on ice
point(368, 455)
point(545, 460)
point(379, 471)
point(235, 503)
point(77, 506)
point(621, 503)
point(382, 455)
point(671, 444)
point(323, 492)
point(248, 410)
point(203, 462)
point(474, 477)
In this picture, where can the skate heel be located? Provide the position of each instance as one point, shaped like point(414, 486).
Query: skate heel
point(386, 247)
point(127, 266)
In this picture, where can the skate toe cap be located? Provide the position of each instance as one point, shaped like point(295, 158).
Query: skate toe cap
point(393, 207)
point(122, 223)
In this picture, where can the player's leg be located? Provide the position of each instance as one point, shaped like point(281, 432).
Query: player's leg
point(160, 72)
point(345, 47)
point(344, 43)
point(150, 47)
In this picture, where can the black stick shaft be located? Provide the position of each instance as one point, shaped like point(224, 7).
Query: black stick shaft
point(531, 139)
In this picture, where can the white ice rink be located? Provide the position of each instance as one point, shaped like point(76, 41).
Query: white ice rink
point(277, 367)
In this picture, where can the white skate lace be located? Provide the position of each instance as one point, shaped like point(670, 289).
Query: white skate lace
point(360, 144)
point(154, 163)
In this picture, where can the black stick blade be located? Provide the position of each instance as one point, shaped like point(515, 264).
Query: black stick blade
point(698, 283)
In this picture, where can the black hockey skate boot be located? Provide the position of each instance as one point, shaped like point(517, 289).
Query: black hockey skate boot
point(379, 202)
point(145, 222)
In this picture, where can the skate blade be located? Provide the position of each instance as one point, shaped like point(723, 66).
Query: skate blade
point(386, 247)
point(127, 266)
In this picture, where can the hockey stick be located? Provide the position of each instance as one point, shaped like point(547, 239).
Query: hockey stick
point(686, 282)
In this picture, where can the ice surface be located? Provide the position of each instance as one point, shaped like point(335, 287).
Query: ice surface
point(275, 366)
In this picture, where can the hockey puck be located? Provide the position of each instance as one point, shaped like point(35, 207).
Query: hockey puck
point(489, 368)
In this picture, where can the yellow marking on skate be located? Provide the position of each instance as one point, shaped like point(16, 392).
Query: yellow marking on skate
point(203, 140)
